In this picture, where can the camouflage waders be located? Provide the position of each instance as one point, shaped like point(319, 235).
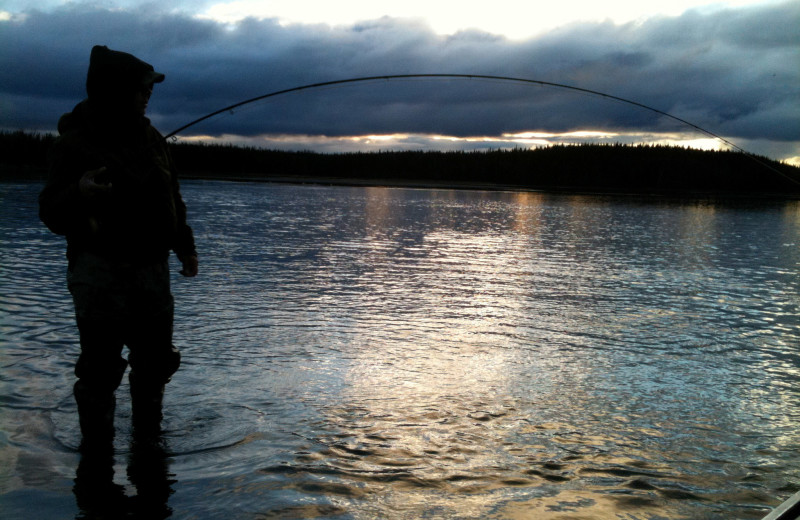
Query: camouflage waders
point(116, 305)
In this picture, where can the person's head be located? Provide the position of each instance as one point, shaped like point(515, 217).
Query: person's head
point(120, 82)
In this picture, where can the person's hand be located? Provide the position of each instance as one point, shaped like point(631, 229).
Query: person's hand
point(90, 185)
point(190, 266)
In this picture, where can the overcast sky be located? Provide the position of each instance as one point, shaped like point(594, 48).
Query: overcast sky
point(732, 68)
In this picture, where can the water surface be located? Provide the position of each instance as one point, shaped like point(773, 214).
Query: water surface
point(362, 353)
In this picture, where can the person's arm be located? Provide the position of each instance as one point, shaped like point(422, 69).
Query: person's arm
point(184, 246)
point(66, 200)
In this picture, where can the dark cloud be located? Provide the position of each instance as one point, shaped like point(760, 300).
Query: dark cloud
point(733, 72)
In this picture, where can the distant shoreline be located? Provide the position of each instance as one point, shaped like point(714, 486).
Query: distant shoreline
point(11, 175)
point(353, 181)
point(642, 170)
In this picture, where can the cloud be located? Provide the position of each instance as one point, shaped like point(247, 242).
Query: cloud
point(731, 71)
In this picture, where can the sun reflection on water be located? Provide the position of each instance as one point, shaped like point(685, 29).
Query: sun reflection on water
point(390, 353)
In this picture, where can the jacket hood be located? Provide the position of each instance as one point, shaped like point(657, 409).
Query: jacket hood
point(114, 75)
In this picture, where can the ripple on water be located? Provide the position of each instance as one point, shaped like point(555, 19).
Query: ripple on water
point(373, 353)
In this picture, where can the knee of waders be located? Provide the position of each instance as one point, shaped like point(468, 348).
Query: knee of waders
point(172, 362)
point(154, 367)
point(102, 375)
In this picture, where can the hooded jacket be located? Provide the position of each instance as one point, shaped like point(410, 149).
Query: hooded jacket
point(143, 216)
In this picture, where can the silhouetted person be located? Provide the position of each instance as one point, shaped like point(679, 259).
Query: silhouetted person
point(112, 191)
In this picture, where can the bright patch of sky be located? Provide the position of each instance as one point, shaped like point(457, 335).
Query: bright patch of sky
point(516, 19)
point(726, 66)
point(428, 142)
point(512, 18)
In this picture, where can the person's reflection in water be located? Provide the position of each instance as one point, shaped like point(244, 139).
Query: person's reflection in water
point(99, 497)
point(95, 491)
point(148, 471)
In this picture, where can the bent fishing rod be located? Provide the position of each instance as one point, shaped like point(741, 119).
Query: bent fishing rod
point(364, 79)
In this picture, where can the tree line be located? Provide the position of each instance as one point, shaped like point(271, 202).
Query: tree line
point(656, 169)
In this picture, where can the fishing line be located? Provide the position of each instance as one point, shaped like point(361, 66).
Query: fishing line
point(390, 77)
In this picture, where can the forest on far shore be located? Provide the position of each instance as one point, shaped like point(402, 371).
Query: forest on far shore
point(611, 168)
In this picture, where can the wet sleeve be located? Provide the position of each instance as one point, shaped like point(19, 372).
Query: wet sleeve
point(184, 238)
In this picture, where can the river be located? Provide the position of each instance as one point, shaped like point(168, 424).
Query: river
point(368, 352)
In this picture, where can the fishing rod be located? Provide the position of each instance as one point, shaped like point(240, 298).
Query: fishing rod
point(363, 79)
